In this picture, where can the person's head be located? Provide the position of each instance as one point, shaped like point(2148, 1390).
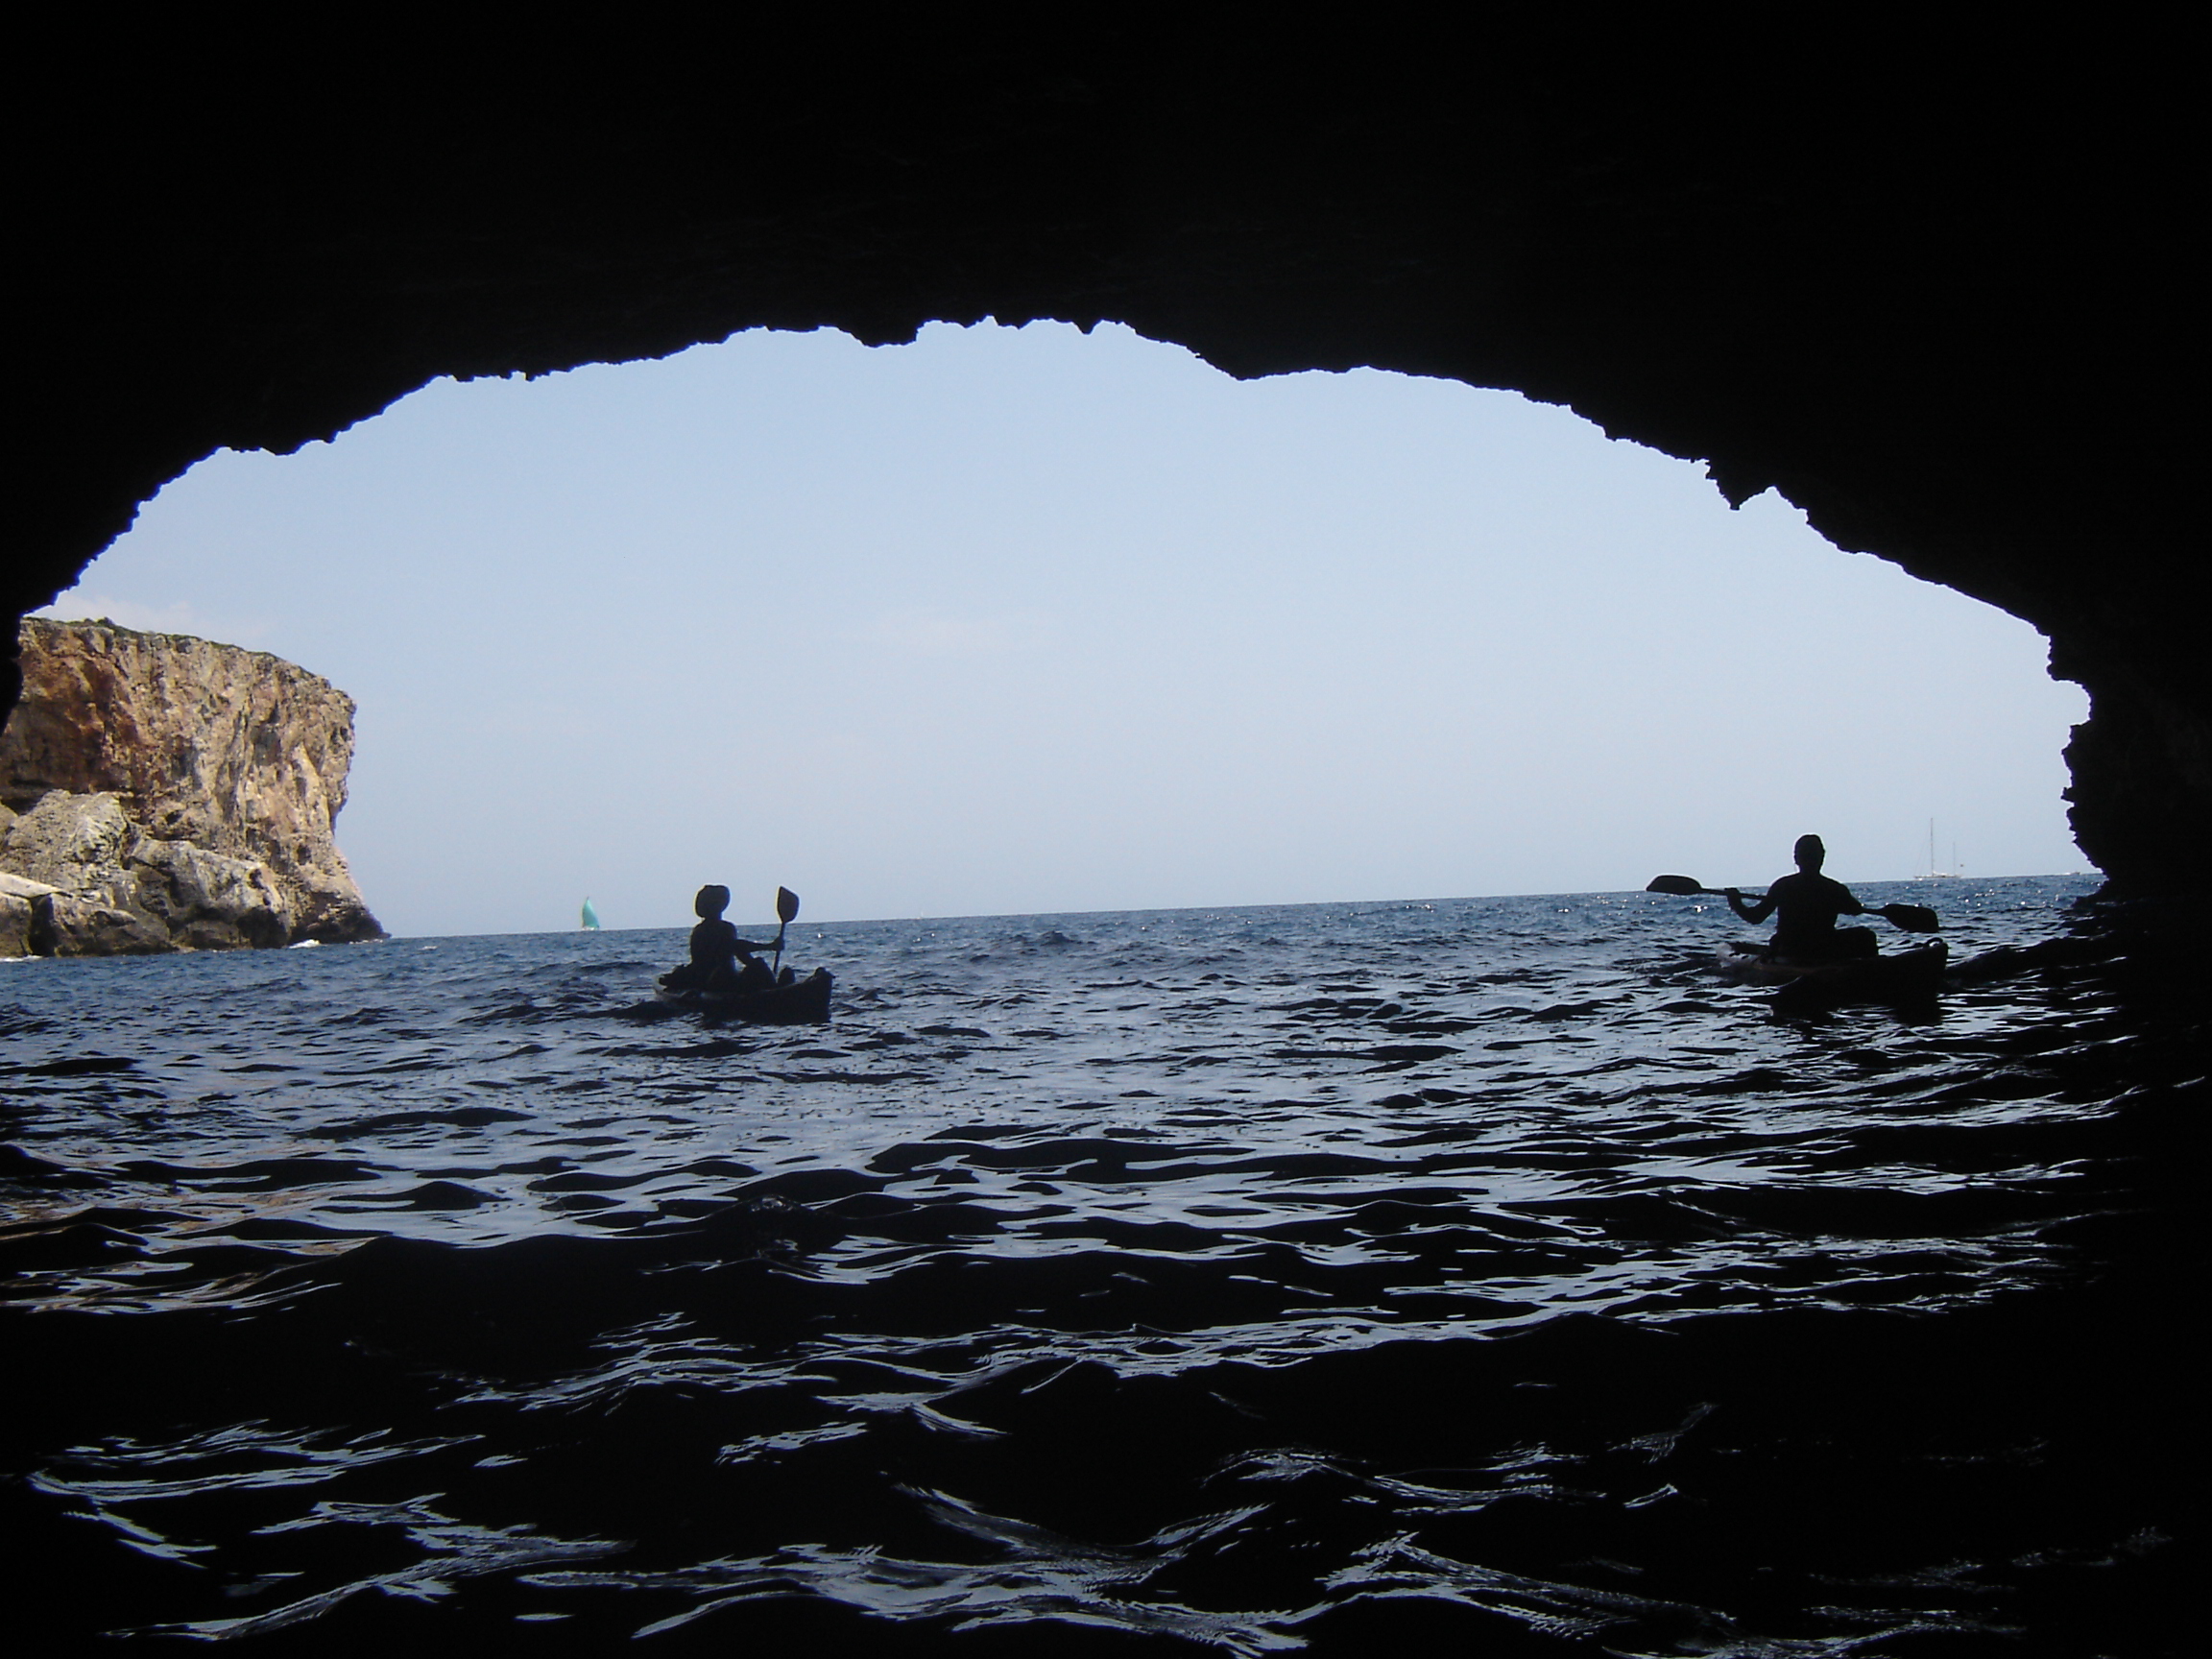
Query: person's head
point(1811, 854)
point(711, 902)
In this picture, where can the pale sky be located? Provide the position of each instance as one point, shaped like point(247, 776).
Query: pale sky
point(1018, 620)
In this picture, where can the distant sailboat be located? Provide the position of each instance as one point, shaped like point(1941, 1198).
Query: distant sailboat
point(591, 918)
point(1934, 873)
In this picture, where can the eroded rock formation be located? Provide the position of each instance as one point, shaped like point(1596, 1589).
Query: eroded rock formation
point(164, 793)
point(1932, 285)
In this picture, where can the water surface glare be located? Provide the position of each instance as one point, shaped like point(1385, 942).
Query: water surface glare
point(1478, 1271)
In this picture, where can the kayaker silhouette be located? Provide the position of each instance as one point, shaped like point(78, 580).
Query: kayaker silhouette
point(716, 951)
point(1805, 907)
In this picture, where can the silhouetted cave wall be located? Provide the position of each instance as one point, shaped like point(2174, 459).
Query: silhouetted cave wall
point(1931, 289)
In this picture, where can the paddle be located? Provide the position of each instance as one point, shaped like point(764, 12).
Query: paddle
point(786, 913)
point(1912, 918)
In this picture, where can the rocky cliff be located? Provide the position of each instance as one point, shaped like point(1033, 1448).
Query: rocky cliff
point(164, 793)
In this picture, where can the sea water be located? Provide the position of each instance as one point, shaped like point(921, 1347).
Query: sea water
point(1477, 1271)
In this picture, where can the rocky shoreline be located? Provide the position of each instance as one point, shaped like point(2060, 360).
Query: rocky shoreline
point(160, 792)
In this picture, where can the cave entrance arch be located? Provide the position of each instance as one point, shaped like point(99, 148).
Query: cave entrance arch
point(1932, 297)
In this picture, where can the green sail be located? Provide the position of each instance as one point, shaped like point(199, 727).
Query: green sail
point(590, 916)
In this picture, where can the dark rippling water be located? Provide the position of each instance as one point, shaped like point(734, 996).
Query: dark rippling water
point(1476, 1276)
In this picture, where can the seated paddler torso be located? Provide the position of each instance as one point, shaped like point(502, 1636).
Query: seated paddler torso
point(720, 960)
point(1804, 907)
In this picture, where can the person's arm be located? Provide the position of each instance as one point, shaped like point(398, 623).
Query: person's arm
point(1753, 912)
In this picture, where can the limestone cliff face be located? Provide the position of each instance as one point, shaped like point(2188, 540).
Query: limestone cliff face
point(163, 793)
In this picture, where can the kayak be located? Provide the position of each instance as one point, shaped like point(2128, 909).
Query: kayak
point(1909, 977)
point(802, 1003)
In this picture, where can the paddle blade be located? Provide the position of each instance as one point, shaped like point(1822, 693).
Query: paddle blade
point(786, 906)
point(1912, 918)
point(1681, 886)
